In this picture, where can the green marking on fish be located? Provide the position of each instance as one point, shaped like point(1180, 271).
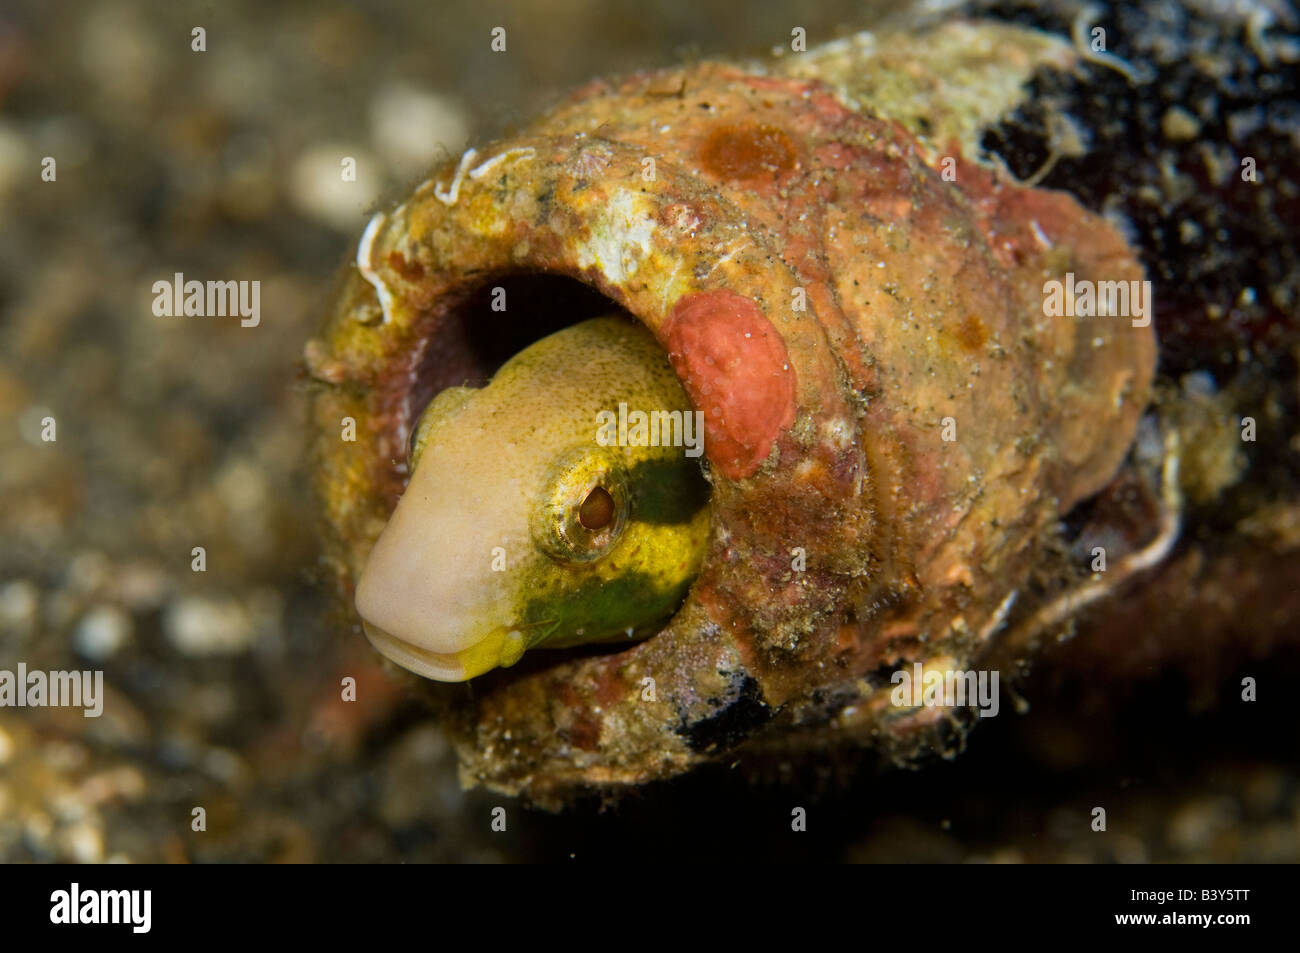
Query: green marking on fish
point(503, 540)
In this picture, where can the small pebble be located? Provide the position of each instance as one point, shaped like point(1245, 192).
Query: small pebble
point(37, 827)
point(200, 626)
point(414, 128)
point(1179, 125)
point(31, 424)
point(1195, 823)
point(88, 571)
point(142, 587)
point(19, 602)
point(102, 632)
point(83, 842)
point(17, 167)
point(319, 191)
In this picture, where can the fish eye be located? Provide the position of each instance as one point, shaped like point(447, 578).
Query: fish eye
point(597, 510)
point(584, 506)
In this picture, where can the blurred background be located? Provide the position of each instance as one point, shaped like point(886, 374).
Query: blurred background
point(172, 433)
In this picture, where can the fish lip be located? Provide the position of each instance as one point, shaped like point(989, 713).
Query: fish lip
point(437, 666)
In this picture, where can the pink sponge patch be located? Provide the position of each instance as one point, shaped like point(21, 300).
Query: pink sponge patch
point(735, 369)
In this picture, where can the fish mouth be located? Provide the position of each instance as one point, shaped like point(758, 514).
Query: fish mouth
point(439, 666)
point(499, 648)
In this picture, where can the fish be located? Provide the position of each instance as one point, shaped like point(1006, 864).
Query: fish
point(535, 516)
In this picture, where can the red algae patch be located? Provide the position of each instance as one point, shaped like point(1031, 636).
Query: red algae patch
point(735, 368)
point(747, 151)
